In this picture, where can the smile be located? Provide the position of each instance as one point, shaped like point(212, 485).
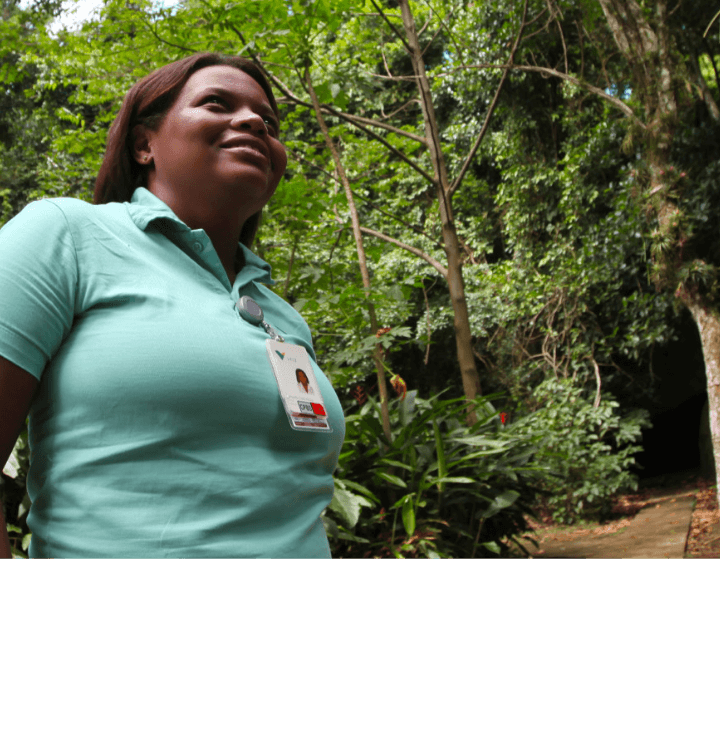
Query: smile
point(247, 145)
point(245, 149)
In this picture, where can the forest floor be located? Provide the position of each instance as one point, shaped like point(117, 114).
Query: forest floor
point(675, 516)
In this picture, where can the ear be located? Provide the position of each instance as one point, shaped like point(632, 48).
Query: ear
point(142, 145)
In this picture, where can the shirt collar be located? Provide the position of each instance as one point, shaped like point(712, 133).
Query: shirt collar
point(145, 208)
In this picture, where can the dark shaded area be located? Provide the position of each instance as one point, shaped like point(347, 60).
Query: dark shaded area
point(675, 406)
point(672, 444)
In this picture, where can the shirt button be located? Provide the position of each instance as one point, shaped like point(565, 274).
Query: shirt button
point(198, 246)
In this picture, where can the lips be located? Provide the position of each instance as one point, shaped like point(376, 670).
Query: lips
point(245, 143)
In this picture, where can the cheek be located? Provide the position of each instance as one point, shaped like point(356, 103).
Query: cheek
point(279, 161)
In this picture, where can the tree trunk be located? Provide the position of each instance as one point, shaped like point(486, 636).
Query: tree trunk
point(456, 284)
point(708, 324)
point(362, 260)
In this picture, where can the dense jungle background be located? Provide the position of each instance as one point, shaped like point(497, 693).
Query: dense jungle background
point(497, 220)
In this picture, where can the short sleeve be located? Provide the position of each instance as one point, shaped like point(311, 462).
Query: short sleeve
point(38, 282)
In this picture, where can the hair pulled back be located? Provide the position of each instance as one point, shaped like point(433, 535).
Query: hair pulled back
point(147, 103)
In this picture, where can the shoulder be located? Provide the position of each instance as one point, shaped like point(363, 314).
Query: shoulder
point(52, 231)
point(55, 212)
point(73, 208)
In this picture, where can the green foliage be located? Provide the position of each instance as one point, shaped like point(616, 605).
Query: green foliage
point(588, 449)
point(570, 290)
point(707, 68)
point(550, 215)
point(14, 498)
point(439, 489)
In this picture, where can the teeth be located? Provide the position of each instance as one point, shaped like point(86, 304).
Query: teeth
point(243, 145)
point(247, 145)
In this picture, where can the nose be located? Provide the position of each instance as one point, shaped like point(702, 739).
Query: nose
point(247, 119)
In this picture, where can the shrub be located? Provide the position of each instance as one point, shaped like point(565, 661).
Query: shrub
point(587, 450)
point(439, 489)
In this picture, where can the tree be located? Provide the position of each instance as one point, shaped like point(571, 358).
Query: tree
point(402, 160)
point(439, 178)
point(663, 56)
point(660, 70)
point(25, 116)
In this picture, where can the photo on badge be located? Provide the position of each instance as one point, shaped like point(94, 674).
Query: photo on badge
point(298, 386)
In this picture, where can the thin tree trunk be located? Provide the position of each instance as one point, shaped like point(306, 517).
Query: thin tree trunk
point(289, 270)
point(708, 324)
point(362, 260)
point(456, 284)
point(456, 287)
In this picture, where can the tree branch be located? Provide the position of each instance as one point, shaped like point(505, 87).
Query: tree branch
point(704, 89)
point(369, 202)
point(380, 139)
point(400, 108)
point(451, 36)
point(427, 318)
point(398, 77)
point(715, 17)
point(392, 28)
point(458, 180)
point(348, 118)
point(430, 260)
point(596, 404)
point(617, 103)
point(151, 27)
point(353, 119)
point(554, 14)
point(362, 259)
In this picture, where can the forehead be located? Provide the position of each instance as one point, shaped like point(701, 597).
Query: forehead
point(227, 78)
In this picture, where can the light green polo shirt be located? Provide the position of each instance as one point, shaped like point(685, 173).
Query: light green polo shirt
point(157, 429)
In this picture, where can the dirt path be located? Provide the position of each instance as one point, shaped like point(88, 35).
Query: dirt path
point(678, 518)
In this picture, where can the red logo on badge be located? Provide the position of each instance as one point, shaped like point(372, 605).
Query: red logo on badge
point(318, 409)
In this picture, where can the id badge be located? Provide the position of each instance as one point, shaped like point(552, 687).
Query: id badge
point(299, 390)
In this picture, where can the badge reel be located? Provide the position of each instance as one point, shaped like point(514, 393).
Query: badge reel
point(297, 385)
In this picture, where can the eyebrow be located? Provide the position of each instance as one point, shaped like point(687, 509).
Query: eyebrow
point(227, 92)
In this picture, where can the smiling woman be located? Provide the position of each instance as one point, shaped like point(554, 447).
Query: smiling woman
point(222, 127)
point(160, 424)
point(167, 95)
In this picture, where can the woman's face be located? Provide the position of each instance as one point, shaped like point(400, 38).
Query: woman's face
point(219, 137)
point(302, 378)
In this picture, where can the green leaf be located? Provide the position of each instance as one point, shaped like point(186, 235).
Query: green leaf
point(492, 546)
point(322, 91)
point(345, 483)
point(483, 441)
point(440, 450)
point(395, 463)
point(500, 502)
point(26, 540)
point(408, 517)
point(348, 505)
point(391, 479)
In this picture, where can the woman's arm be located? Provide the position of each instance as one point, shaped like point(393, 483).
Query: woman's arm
point(17, 389)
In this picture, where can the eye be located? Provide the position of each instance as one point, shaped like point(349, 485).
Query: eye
point(214, 98)
point(271, 124)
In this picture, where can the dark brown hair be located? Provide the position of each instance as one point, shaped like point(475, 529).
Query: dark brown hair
point(147, 103)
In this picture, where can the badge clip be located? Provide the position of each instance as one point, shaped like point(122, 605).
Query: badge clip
point(250, 311)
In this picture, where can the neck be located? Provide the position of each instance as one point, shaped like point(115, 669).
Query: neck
point(221, 221)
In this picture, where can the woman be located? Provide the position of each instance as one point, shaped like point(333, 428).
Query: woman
point(156, 427)
point(303, 382)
